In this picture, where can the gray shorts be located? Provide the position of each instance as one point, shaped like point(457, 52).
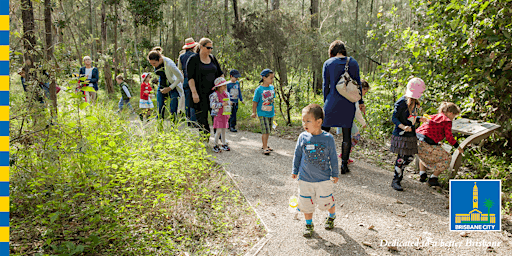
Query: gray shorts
point(266, 124)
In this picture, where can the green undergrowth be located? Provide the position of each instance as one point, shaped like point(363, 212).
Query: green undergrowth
point(93, 183)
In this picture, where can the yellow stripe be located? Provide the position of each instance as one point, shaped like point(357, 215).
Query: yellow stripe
point(4, 174)
point(4, 113)
point(4, 234)
point(4, 204)
point(4, 83)
point(4, 53)
point(4, 143)
point(4, 22)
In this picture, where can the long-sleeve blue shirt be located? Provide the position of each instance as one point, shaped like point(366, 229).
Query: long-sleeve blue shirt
point(315, 158)
point(235, 92)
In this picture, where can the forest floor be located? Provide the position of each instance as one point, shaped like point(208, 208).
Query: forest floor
point(371, 216)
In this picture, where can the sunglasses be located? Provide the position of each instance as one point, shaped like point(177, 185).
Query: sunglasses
point(209, 47)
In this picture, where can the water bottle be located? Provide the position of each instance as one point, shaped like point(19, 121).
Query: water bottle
point(293, 203)
point(227, 109)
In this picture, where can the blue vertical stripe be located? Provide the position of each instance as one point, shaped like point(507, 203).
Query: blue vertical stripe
point(4, 188)
point(4, 37)
point(4, 68)
point(4, 7)
point(4, 98)
point(4, 158)
point(4, 221)
point(4, 128)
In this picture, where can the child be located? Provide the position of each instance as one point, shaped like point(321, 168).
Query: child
point(354, 132)
point(315, 162)
point(263, 104)
point(429, 134)
point(235, 94)
point(145, 102)
point(126, 93)
point(220, 121)
point(404, 141)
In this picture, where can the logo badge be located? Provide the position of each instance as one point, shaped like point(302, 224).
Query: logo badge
point(475, 205)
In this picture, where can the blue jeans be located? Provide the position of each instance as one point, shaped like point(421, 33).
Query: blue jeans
point(124, 102)
point(232, 118)
point(164, 99)
point(189, 110)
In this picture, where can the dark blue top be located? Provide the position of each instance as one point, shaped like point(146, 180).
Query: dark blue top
point(234, 91)
point(339, 112)
point(315, 158)
point(184, 59)
point(95, 76)
point(400, 115)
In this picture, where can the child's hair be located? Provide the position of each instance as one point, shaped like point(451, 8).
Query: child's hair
point(315, 110)
point(155, 53)
point(449, 107)
point(120, 77)
point(364, 84)
point(411, 103)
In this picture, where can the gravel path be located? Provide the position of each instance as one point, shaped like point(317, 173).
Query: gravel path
point(364, 199)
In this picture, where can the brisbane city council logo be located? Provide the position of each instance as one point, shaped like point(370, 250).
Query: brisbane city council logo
point(475, 205)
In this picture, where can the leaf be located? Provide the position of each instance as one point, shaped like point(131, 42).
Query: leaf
point(87, 89)
point(54, 216)
point(115, 166)
point(92, 118)
point(84, 105)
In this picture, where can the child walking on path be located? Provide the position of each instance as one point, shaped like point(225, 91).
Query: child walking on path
point(429, 134)
point(145, 102)
point(235, 93)
point(315, 162)
point(219, 100)
point(263, 105)
point(404, 141)
point(126, 93)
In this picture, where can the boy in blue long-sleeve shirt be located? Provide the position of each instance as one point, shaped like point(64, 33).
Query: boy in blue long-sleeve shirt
point(315, 162)
point(235, 93)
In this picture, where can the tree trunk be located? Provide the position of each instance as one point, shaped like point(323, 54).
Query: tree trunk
point(29, 40)
point(116, 17)
point(49, 53)
point(104, 45)
point(316, 64)
point(356, 37)
point(275, 4)
point(235, 9)
point(91, 25)
point(226, 20)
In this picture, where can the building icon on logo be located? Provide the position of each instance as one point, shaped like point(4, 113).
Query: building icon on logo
point(475, 216)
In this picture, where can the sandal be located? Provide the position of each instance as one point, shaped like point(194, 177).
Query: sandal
point(269, 148)
point(266, 152)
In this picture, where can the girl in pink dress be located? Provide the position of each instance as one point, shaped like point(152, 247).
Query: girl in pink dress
point(220, 105)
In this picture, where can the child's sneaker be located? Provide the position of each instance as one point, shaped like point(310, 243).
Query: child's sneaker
point(329, 223)
point(216, 149)
point(423, 177)
point(308, 230)
point(225, 147)
point(433, 182)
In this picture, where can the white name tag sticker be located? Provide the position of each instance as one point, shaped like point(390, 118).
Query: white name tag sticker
point(310, 147)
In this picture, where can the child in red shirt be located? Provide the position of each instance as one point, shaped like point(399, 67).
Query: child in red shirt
point(429, 134)
point(145, 102)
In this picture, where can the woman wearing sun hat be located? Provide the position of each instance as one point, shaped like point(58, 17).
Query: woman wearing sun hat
point(182, 65)
point(202, 69)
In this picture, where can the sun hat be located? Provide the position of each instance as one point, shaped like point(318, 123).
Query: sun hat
point(264, 73)
point(415, 88)
point(234, 73)
point(189, 43)
point(143, 76)
point(219, 81)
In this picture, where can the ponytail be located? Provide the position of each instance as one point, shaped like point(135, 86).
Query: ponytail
point(155, 53)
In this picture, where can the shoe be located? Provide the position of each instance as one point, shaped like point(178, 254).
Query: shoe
point(308, 230)
point(329, 223)
point(344, 167)
point(395, 184)
point(423, 177)
point(232, 129)
point(350, 161)
point(433, 182)
point(225, 147)
point(216, 149)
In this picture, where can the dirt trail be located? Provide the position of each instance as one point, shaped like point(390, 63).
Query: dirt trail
point(364, 199)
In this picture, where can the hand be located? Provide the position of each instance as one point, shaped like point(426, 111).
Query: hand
point(335, 179)
point(146, 91)
point(423, 120)
point(362, 107)
point(165, 90)
point(407, 129)
point(195, 97)
point(461, 150)
point(294, 176)
point(243, 103)
point(364, 126)
point(253, 115)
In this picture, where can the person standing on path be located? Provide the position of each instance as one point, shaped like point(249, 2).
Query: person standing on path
point(235, 93)
point(170, 83)
point(263, 105)
point(219, 100)
point(339, 111)
point(145, 102)
point(315, 162)
point(202, 69)
point(126, 94)
point(404, 141)
point(190, 44)
point(92, 75)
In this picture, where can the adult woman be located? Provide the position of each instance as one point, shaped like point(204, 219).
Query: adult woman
point(93, 76)
point(170, 82)
point(190, 44)
point(202, 69)
point(339, 112)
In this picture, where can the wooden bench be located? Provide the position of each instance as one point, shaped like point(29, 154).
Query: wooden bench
point(477, 132)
